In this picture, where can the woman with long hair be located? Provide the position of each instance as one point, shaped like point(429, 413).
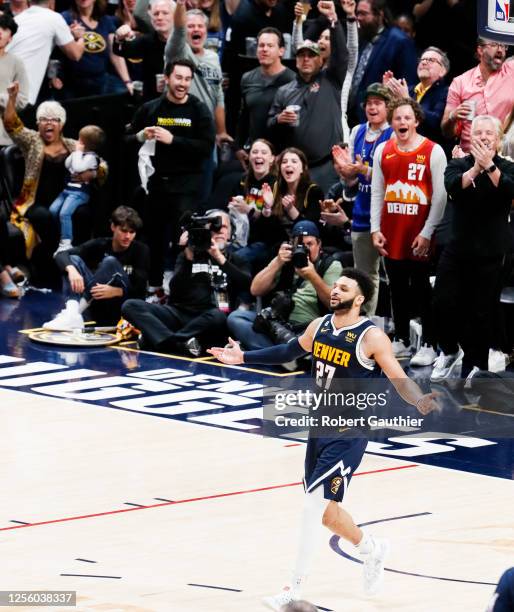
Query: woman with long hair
point(90, 75)
point(248, 202)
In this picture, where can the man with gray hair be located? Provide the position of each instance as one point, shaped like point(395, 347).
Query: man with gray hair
point(468, 280)
point(40, 30)
point(299, 606)
point(148, 47)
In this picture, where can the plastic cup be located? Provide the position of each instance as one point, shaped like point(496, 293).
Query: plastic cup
point(160, 81)
point(473, 109)
point(295, 108)
point(251, 46)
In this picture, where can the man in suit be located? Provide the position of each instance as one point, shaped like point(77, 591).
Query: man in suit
point(381, 48)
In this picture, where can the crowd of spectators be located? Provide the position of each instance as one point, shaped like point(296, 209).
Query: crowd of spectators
point(273, 143)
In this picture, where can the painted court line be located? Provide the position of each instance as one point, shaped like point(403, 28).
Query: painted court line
point(190, 500)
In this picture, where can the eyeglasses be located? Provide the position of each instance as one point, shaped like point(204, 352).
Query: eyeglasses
point(430, 60)
point(49, 120)
point(494, 45)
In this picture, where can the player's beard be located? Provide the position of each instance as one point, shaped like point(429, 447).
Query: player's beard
point(346, 305)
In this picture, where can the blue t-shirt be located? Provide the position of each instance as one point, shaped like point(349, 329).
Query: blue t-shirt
point(361, 207)
point(95, 61)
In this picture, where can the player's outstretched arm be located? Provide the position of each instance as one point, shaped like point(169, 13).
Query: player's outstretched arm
point(274, 355)
point(378, 346)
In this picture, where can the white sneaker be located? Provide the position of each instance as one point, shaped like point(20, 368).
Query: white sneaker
point(373, 566)
point(275, 602)
point(68, 319)
point(497, 361)
point(64, 245)
point(424, 357)
point(400, 350)
point(467, 383)
point(445, 364)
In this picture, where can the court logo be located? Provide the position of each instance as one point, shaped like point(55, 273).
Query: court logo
point(335, 484)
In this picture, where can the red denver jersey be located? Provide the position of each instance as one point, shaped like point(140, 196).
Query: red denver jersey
point(407, 196)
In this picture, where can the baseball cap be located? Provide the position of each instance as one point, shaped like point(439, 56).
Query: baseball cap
point(305, 228)
point(308, 45)
point(378, 90)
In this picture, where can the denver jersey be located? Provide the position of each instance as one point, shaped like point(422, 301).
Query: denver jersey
point(407, 196)
point(336, 353)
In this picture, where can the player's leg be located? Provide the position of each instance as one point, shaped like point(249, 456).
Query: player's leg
point(372, 551)
point(310, 538)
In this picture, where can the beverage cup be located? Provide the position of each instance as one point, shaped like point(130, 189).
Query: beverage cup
point(473, 109)
point(160, 82)
point(251, 46)
point(295, 109)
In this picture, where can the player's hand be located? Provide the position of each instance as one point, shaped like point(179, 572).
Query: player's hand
point(105, 292)
point(379, 242)
point(428, 403)
point(420, 247)
point(231, 354)
point(162, 135)
point(76, 280)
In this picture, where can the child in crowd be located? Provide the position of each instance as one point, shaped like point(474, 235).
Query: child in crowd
point(75, 194)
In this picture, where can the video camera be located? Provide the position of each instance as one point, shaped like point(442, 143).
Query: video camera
point(200, 230)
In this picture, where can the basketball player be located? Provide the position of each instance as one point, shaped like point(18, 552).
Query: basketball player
point(331, 462)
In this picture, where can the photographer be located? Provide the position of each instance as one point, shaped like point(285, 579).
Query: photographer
point(204, 288)
point(302, 276)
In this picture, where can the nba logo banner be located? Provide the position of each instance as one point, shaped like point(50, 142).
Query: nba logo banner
point(496, 20)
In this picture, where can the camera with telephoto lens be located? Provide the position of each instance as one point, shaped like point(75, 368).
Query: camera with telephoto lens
point(272, 321)
point(200, 230)
point(300, 257)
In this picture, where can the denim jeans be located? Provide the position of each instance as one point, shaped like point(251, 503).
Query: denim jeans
point(64, 205)
point(109, 272)
point(240, 325)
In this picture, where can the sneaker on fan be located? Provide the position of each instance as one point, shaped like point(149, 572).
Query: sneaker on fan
point(497, 361)
point(424, 357)
point(64, 245)
point(373, 566)
point(275, 602)
point(445, 365)
point(156, 297)
point(400, 350)
point(69, 318)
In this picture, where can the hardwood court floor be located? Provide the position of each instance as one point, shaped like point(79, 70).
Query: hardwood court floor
point(93, 484)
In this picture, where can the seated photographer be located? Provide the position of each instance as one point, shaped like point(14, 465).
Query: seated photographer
point(206, 282)
point(301, 276)
point(101, 273)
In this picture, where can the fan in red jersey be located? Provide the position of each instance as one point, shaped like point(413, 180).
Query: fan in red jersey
point(407, 202)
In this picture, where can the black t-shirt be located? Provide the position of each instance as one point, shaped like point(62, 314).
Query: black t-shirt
point(135, 261)
point(193, 132)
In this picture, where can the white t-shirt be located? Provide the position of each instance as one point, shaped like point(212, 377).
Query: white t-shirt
point(39, 31)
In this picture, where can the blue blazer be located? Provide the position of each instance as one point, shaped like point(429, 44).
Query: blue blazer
point(395, 51)
point(433, 104)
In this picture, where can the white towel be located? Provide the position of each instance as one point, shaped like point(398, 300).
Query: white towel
point(144, 163)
